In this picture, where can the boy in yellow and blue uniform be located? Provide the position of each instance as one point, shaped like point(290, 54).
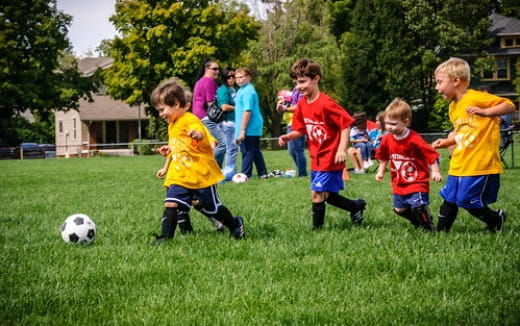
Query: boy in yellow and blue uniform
point(474, 173)
point(191, 170)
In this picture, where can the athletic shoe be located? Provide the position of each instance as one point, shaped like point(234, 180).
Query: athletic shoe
point(218, 225)
point(357, 216)
point(501, 220)
point(239, 232)
point(359, 171)
point(159, 239)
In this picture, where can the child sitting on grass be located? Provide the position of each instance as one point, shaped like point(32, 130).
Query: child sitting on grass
point(475, 166)
point(191, 170)
point(410, 159)
point(327, 126)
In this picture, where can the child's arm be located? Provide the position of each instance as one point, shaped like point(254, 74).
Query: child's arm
point(245, 121)
point(283, 139)
point(445, 142)
point(162, 172)
point(342, 147)
point(381, 170)
point(436, 174)
point(493, 111)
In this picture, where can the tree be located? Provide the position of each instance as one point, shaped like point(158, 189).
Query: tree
point(394, 46)
point(33, 38)
point(292, 30)
point(162, 39)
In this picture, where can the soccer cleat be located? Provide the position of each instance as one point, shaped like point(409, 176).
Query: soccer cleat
point(500, 222)
point(218, 225)
point(239, 232)
point(159, 239)
point(357, 216)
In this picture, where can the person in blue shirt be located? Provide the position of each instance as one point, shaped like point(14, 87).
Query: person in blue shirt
point(226, 99)
point(249, 124)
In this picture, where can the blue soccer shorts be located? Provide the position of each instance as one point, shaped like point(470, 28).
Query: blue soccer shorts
point(416, 199)
point(471, 192)
point(327, 181)
point(208, 197)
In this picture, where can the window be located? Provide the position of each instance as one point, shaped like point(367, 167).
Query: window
point(74, 127)
point(501, 71)
point(60, 126)
point(510, 42)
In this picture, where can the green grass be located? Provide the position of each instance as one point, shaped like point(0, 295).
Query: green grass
point(382, 273)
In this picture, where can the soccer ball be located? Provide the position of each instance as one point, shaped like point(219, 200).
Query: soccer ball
point(239, 178)
point(78, 228)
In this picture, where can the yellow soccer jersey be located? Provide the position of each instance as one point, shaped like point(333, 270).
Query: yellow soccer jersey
point(478, 138)
point(192, 163)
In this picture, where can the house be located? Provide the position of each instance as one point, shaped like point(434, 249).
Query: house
point(506, 52)
point(104, 125)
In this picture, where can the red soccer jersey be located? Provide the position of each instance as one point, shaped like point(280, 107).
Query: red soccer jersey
point(322, 121)
point(409, 162)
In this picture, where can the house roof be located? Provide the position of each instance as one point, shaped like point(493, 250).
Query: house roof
point(503, 26)
point(87, 66)
point(105, 108)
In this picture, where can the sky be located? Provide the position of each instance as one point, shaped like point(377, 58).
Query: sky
point(90, 24)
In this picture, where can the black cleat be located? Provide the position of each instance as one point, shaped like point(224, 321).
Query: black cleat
point(357, 216)
point(239, 232)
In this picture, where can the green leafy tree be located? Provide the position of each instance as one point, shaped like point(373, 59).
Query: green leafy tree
point(162, 39)
point(393, 47)
point(33, 39)
point(293, 30)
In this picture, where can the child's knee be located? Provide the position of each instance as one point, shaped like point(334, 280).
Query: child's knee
point(170, 204)
point(400, 210)
point(318, 197)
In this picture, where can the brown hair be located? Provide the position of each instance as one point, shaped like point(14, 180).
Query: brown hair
point(305, 68)
point(380, 116)
point(169, 92)
point(244, 71)
point(360, 120)
point(398, 110)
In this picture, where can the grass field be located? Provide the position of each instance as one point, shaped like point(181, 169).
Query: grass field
point(381, 273)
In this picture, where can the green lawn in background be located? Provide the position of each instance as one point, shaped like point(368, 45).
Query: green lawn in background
point(382, 273)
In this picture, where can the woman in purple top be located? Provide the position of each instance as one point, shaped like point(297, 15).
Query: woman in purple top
point(204, 93)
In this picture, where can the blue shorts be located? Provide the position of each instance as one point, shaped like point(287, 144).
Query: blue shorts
point(417, 199)
point(471, 192)
point(208, 197)
point(327, 181)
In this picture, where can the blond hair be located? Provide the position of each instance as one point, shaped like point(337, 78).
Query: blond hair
point(455, 67)
point(398, 110)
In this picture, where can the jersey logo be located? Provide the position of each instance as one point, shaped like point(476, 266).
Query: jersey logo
point(317, 133)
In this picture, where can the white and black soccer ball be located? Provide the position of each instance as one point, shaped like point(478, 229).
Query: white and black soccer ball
point(239, 178)
point(78, 228)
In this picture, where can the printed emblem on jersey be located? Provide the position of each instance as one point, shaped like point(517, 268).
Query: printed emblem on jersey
point(317, 133)
point(464, 133)
point(408, 171)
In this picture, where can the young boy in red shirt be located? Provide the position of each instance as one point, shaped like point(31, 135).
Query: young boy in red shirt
point(327, 126)
point(410, 159)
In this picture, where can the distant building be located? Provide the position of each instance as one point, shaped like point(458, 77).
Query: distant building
point(506, 51)
point(99, 123)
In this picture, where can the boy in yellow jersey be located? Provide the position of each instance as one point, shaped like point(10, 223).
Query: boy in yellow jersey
point(191, 170)
point(474, 174)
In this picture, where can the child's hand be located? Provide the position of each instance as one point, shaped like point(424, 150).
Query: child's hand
point(438, 143)
point(436, 176)
point(196, 134)
point(476, 110)
point(161, 173)
point(340, 157)
point(379, 176)
point(164, 150)
point(282, 140)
